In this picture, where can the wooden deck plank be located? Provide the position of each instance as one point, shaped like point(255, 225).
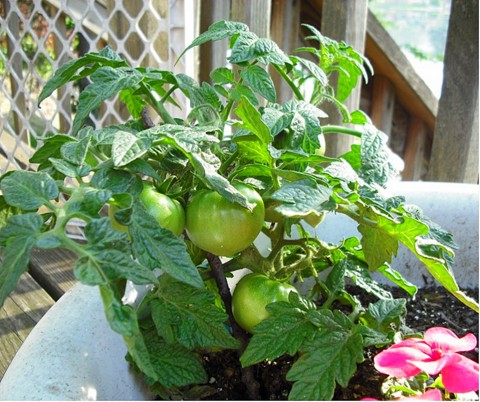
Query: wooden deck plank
point(19, 314)
point(53, 270)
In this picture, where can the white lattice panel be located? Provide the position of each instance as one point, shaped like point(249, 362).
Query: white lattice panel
point(37, 36)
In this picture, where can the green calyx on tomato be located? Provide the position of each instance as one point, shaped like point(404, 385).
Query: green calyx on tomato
point(221, 227)
point(251, 296)
point(168, 212)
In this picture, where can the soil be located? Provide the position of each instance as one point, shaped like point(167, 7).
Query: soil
point(431, 307)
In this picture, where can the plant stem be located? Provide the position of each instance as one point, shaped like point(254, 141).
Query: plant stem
point(159, 106)
point(328, 129)
point(290, 83)
point(247, 372)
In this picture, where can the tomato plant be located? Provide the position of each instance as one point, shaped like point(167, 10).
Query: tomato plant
point(238, 149)
point(222, 227)
point(251, 296)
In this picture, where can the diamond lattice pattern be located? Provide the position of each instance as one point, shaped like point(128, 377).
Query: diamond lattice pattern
point(36, 37)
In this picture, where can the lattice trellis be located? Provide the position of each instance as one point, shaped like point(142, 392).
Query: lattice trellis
point(37, 36)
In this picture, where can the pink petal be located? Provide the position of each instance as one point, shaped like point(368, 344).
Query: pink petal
point(446, 340)
point(461, 376)
point(397, 361)
point(430, 395)
point(434, 366)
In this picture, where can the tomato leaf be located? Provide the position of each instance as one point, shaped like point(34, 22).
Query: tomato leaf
point(28, 190)
point(218, 31)
point(260, 81)
point(67, 71)
point(157, 247)
point(383, 313)
point(190, 317)
point(330, 358)
point(285, 331)
point(18, 236)
point(252, 121)
point(249, 46)
point(106, 81)
point(302, 197)
point(378, 247)
point(75, 151)
point(121, 317)
point(127, 147)
point(173, 365)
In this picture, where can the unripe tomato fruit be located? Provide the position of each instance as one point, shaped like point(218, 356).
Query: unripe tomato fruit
point(252, 294)
point(168, 212)
point(221, 227)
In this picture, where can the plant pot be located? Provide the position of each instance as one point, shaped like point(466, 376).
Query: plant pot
point(72, 354)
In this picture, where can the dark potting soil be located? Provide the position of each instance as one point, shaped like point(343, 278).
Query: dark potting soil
point(431, 307)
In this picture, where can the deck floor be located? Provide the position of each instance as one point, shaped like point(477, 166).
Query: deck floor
point(50, 276)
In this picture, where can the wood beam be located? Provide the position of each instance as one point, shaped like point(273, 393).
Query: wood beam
point(455, 142)
point(344, 20)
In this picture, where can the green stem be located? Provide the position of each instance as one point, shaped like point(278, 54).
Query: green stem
point(168, 93)
point(290, 83)
point(341, 129)
point(159, 106)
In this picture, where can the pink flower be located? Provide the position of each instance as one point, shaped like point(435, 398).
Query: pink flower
point(430, 395)
point(435, 353)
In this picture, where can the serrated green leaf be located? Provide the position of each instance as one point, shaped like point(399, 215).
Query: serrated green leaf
point(190, 317)
point(302, 197)
point(285, 331)
point(157, 247)
point(252, 121)
point(398, 279)
point(19, 237)
point(313, 68)
point(116, 181)
point(377, 158)
point(28, 190)
point(101, 235)
point(330, 358)
point(6, 211)
point(174, 365)
point(249, 46)
point(217, 31)
point(87, 271)
point(69, 169)
point(378, 247)
point(362, 278)
point(118, 264)
point(106, 82)
point(75, 151)
point(260, 81)
point(50, 148)
point(383, 313)
point(222, 76)
point(121, 317)
point(336, 278)
point(127, 147)
point(67, 71)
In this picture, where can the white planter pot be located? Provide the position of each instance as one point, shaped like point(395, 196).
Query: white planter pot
point(72, 354)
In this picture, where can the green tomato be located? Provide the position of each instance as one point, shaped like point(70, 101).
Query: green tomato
point(252, 294)
point(314, 218)
point(112, 208)
point(221, 227)
point(168, 212)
